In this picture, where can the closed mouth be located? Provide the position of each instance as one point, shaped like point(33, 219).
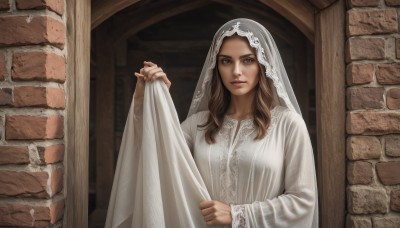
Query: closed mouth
point(237, 82)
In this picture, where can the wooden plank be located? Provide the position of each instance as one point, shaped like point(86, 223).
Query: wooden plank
point(103, 9)
point(105, 93)
point(77, 113)
point(330, 88)
point(322, 4)
point(300, 13)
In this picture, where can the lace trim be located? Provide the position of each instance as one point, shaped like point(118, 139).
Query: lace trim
point(227, 185)
point(229, 159)
point(255, 43)
point(238, 216)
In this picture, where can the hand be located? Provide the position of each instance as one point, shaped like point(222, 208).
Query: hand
point(151, 72)
point(216, 213)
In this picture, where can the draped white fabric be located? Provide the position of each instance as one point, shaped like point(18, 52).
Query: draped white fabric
point(156, 181)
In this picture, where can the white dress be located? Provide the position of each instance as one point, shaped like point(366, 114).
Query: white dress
point(269, 182)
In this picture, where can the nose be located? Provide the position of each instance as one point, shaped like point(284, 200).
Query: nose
point(237, 71)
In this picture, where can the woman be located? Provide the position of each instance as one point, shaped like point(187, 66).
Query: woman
point(246, 133)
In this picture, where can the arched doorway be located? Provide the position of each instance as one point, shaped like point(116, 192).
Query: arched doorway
point(329, 64)
point(178, 43)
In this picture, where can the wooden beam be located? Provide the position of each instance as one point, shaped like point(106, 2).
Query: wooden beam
point(330, 90)
point(322, 4)
point(103, 9)
point(272, 21)
point(300, 13)
point(77, 113)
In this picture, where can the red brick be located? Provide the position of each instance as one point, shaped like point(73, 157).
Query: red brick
point(392, 146)
point(6, 97)
point(26, 96)
point(23, 184)
point(371, 22)
point(366, 200)
point(392, 2)
point(53, 5)
point(57, 181)
point(34, 127)
point(359, 172)
point(393, 98)
point(359, 73)
point(28, 30)
point(14, 155)
point(4, 4)
point(388, 74)
point(389, 172)
point(43, 66)
point(386, 222)
point(56, 211)
point(358, 222)
point(365, 49)
point(363, 147)
point(398, 48)
point(355, 3)
point(19, 215)
point(365, 98)
point(51, 154)
point(395, 200)
point(3, 68)
point(373, 123)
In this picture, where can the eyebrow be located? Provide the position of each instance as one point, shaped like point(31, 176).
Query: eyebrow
point(243, 56)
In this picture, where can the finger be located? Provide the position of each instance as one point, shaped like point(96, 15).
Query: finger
point(209, 217)
point(211, 222)
point(139, 75)
point(166, 81)
point(206, 204)
point(148, 63)
point(147, 69)
point(142, 71)
point(152, 72)
point(208, 211)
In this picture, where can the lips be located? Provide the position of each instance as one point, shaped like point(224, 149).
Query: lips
point(238, 83)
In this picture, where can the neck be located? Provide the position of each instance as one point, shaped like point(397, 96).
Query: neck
point(241, 107)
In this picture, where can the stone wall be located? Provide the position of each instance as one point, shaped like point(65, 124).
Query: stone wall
point(32, 103)
point(373, 116)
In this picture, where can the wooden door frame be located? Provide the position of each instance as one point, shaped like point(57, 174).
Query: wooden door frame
point(329, 41)
point(77, 113)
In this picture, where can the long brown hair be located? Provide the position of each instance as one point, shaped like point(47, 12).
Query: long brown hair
point(220, 100)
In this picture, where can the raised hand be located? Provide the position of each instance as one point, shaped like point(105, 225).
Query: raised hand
point(151, 72)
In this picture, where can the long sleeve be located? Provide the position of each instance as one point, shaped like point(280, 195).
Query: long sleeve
point(295, 207)
point(187, 130)
point(190, 127)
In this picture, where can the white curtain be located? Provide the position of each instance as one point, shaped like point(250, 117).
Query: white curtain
point(156, 183)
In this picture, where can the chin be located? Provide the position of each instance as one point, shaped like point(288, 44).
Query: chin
point(237, 92)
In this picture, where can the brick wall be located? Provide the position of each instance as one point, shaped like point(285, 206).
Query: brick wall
point(373, 113)
point(32, 103)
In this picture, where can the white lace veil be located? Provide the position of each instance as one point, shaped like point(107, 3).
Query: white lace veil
point(267, 54)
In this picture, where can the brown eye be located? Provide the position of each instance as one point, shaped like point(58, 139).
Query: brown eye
point(225, 61)
point(248, 60)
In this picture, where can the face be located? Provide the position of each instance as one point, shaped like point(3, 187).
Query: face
point(238, 66)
